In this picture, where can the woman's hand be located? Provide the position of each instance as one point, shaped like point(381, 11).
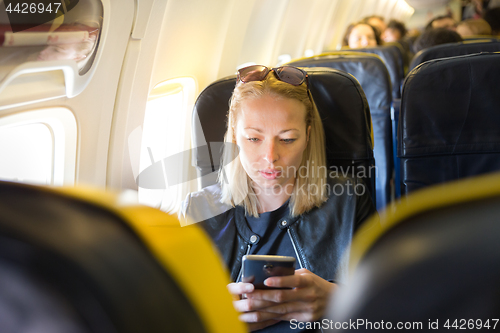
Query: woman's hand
point(249, 308)
point(306, 301)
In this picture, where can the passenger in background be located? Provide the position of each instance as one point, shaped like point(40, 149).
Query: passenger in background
point(473, 27)
point(492, 16)
point(394, 32)
point(377, 22)
point(360, 35)
point(281, 198)
point(435, 37)
point(444, 21)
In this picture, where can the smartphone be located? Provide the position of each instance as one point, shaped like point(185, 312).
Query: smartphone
point(257, 268)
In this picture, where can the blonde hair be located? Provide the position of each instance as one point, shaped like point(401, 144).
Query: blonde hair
point(236, 184)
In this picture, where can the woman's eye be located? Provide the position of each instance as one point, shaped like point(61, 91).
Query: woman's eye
point(253, 139)
point(288, 140)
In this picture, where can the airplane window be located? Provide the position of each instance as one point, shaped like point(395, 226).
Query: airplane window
point(166, 136)
point(67, 30)
point(38, 147)
point(27, 153)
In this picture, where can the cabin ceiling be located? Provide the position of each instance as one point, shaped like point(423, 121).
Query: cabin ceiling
point(419, 4)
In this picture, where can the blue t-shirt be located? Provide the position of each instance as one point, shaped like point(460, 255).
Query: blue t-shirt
point(273, 241)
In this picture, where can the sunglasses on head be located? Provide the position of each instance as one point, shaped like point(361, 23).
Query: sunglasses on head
point(288, 74)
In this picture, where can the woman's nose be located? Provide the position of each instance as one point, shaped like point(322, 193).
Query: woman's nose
point(364, 41)
point(271, 153)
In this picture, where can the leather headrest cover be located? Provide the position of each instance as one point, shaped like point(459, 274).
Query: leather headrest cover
point(393, 59)
point(368, 69)
point(449, 106)
point(453, 50)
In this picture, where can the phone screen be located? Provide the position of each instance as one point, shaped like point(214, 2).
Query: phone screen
point(257, 268)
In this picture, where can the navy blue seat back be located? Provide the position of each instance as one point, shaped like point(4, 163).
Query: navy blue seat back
point(344, 111)
point(434, 259)
point(450, 120)
point(393, 57)
point(469, 46)
point(455, 49)
point(373, 77)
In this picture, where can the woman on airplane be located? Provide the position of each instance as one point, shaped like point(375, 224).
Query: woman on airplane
point(280, 198)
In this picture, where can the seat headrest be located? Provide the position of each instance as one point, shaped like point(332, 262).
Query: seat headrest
point(335, 92)
point(368, 69)
point(449, 106)
point(393, 57)
point(454, 49)
point(434, 256)
point(485, 38)
point(373, 76)
point(340, 100)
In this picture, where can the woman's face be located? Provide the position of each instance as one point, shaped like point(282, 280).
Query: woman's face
point(362, 35)
point(272, 136)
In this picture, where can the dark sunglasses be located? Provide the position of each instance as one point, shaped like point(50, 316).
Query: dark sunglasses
point(292, 75)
